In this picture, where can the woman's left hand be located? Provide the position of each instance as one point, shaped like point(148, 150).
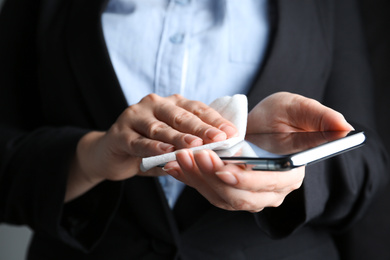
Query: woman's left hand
point(235, 187)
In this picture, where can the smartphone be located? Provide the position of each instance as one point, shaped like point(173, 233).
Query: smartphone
point(285, 151)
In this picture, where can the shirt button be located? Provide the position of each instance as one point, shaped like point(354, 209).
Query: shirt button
point(177, 38)
point(182, 2)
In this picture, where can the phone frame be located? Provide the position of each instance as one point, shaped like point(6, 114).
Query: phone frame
point(284, 162)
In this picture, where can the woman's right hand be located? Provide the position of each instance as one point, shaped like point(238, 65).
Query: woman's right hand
point(154, 126)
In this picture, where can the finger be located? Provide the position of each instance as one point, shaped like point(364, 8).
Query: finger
point(173, 169)
point(209, 116)
point(139, 146)
point(141, 119)
point(157, 130)
point(154, 172)
point(217, 192)
point(184, 168)
point(226, 196)
point(335, 121)
point(270, 181)
point(190, 174)
point(285, 112)
point(310, 115)
point(207, 161)
point(187, 122)
point(243, 200)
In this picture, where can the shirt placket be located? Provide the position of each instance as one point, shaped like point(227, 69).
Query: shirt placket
point(171, 66)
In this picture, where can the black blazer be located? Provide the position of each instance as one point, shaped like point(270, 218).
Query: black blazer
point(57, 83)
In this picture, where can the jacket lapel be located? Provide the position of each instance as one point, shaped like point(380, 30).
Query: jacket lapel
point(298, 59)
point(91, 63)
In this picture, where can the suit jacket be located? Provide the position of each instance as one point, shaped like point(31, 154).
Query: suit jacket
point(57, 83)
point(367, 240)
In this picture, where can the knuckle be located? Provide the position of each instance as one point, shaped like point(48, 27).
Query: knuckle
point(129, 111)
point(256, 210)
point(297, 185)
point(277, 202)
point(220, 204)
point(150, 97)
point(115, 129)
point(243, 204)
point(272, 184)
point(132, 111)
point(179, 140)
point(200, 109)
point(200, 131)
point(130, 141)
point(177, 97)
point(181, 118)
point(155, 128)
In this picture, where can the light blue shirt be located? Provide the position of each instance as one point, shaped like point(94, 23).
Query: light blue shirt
point(201, 49)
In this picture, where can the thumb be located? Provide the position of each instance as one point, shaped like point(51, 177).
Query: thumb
point(310, 115)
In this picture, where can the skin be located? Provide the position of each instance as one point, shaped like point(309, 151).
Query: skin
point(158, 125)
point(153, 126)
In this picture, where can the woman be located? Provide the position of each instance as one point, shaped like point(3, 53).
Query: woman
point(73, 129)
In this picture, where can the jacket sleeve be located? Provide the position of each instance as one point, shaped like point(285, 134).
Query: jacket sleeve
point(337, 192)
point(35, 155)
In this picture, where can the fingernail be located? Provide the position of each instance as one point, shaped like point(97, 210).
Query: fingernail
point(193, 140)
point(229, 130)
point(166, 147)
point(227, 177)
point(171, 171)
point(215, 134)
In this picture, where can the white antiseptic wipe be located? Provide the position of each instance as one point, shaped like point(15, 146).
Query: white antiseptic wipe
point(234, 109)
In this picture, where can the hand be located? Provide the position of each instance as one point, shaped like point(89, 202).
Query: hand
point(287, 112)
point(233, 187)
point(292, 142)
point(154, 126)
point(230, 186)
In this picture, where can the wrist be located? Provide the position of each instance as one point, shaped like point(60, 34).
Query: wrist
point(86, 159)
point(84, 172)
